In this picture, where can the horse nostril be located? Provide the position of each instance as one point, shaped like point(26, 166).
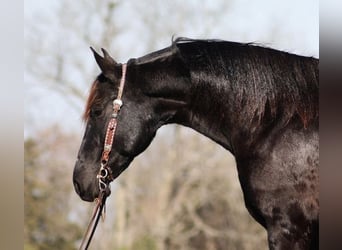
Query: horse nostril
point(84, 189)
point(82, 193)
point(77, 188)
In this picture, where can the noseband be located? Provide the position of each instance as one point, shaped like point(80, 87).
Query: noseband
point(104, 176)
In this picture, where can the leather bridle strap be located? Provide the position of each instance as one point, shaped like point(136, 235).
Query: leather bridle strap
point(105, 174)
point(111, 128)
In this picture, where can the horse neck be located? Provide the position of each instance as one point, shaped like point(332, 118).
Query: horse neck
point(205, 102)
point(182, 99)
point(197, 99)
point(208, 110)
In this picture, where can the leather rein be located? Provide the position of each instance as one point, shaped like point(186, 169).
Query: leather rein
point(104, 176)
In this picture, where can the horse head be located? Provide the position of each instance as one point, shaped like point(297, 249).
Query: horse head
point(134, 132)
point(142, 113)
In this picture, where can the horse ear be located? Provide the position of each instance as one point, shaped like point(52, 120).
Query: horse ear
point(106, 63)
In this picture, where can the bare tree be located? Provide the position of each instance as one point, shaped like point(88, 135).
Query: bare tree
point(58, 71)
point(48, 195)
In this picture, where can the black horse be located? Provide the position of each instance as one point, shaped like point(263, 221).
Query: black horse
point(258, 103)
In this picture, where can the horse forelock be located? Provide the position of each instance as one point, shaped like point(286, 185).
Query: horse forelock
point(93, 98)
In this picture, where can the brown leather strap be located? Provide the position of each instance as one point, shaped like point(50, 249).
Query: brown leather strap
point(111, 128)
point(122, 81)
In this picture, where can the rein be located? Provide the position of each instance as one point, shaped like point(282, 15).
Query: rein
point(104, 176)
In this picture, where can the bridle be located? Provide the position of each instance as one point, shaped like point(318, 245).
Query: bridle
point(104, 176)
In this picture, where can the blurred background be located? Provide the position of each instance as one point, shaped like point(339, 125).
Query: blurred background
point(171, 197)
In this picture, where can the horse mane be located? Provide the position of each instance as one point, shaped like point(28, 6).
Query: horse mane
point(264, 82)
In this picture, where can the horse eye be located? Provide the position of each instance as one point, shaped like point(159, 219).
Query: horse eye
point(95, 113)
